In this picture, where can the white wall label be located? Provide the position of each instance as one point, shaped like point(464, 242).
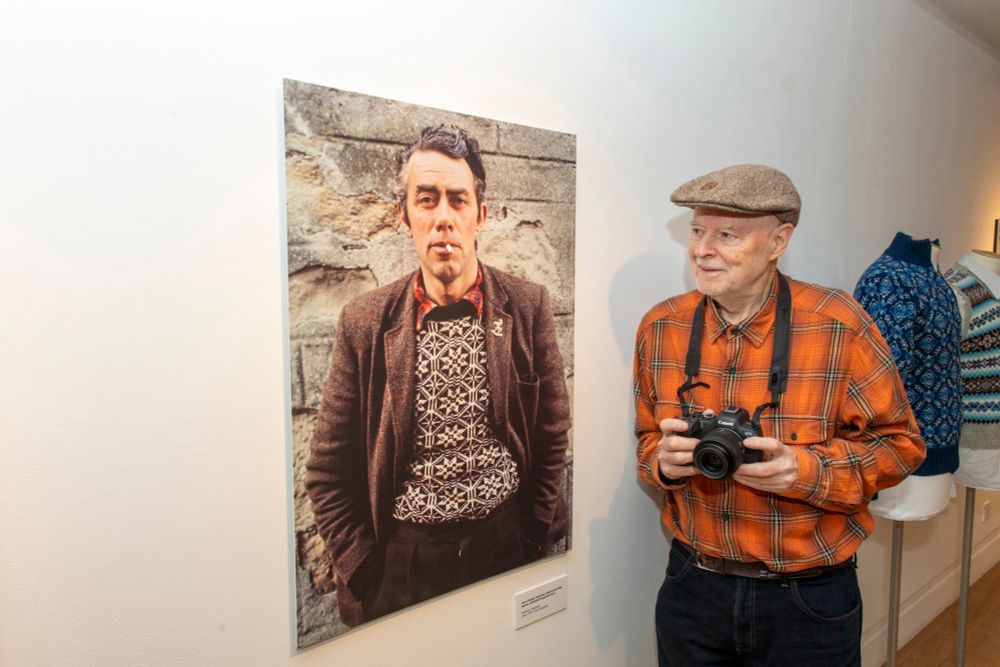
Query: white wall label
point(538, 602)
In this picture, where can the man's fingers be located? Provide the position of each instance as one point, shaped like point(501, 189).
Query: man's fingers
point(763, 444)
point(756, 470)
point(672, 426)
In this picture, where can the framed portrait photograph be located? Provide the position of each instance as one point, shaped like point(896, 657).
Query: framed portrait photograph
point(431, 305)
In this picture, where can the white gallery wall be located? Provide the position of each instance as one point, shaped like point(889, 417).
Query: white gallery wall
point(144, 492)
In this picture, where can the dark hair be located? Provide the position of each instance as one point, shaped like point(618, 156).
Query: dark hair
point(450, 140)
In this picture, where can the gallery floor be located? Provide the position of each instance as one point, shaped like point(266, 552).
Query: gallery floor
point(935, 645)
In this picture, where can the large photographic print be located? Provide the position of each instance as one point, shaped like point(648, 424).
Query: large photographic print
point(430, 286)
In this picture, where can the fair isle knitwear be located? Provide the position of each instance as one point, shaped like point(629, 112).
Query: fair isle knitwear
point(919, 318)
point(460, 470)
point(979, 451)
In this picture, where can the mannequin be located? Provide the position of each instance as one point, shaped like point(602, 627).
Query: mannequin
point(920, 317)
point(917, 312)
point(979, 451)
point(977, 277)
point(916, 498)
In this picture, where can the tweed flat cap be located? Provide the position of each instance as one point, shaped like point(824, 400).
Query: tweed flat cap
point(743, 188)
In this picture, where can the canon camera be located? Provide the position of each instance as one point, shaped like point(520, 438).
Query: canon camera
point(720, 450)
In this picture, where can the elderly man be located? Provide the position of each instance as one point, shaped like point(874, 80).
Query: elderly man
point(439, 448)
point(769, 411)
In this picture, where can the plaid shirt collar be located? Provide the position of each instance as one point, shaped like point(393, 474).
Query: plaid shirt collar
point(755, 328)
point(425, 305)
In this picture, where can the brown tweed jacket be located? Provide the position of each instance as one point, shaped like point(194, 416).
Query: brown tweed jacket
point(364, 429)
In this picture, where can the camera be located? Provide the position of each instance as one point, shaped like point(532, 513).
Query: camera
point(721, 449)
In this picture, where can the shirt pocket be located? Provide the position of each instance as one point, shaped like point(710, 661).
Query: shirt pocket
point(798, 429)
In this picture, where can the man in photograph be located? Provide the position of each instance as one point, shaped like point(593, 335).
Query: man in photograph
point(793, 378)
point(439, 450)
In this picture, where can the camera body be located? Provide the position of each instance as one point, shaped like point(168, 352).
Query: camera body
point(720, 450)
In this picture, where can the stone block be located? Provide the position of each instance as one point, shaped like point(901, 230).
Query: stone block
point(509, 178)
point(304, 145)
point(526, 251)
point(391, 257)
point(314, 558)
point(311, 548)
point(559, 222)
point(324, 248)
point(317, 616)
point(313, 204)
point(303, 424)
point(523, 141)
point(558, 219)
point(315, 369)
point(318, 110)
point(317, 294)
point(355, 168)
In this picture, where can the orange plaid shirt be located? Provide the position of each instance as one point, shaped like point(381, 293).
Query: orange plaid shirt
point(844, 414)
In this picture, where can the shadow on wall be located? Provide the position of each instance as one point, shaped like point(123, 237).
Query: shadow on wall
point(627, 576)
point(644, 281)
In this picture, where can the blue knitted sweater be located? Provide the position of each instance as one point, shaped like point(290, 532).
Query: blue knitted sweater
point(917, 314)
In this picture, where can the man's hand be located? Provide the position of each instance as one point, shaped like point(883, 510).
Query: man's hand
point(674, 451)
point(776, 473)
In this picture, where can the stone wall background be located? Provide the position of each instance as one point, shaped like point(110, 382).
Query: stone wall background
point(344, 240)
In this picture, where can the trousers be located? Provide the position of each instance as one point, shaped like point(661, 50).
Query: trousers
point(707, 619)
point(424, 561)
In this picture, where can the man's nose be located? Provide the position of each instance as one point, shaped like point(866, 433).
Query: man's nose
point(704, 245)
point(443, 216)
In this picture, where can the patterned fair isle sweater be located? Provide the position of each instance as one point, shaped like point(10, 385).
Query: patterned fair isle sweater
point(917, 314)
point(980, 448)
point(459, 470)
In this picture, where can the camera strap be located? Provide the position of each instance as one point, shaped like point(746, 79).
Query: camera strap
point(777, 380)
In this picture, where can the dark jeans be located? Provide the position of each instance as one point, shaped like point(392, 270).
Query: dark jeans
point(424, 561)
point(707, 619)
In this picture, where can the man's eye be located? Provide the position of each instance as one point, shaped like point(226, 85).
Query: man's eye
point(423, 201)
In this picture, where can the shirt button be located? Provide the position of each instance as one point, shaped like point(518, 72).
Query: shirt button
point(732, 370)
point(794, 436)
point(725, 516)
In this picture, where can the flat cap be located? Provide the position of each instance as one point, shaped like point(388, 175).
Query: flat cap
point(743, 188)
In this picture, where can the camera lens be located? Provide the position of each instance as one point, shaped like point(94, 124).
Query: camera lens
point(713, 464)
point(719, 453)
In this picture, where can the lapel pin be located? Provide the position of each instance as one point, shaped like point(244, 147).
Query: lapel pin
point(498, 328)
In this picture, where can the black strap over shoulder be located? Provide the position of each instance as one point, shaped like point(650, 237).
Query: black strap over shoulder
point(777, 380)
point(693, 362)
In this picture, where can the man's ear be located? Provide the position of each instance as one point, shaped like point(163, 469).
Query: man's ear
point(483, 210)
point(780, 237)
point(403, 218)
